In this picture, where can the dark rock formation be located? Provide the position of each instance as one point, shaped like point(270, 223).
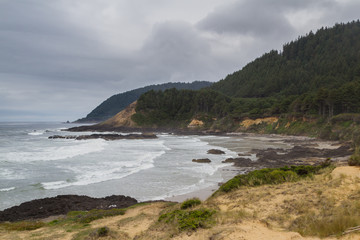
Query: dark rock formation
point(107, 136)
point(202, 160)
point(62, 204)
point(245, 162)
point(215, 151)
point(298, 155)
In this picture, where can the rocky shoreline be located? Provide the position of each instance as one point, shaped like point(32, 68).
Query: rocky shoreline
point(62, 204)
point(298, 155)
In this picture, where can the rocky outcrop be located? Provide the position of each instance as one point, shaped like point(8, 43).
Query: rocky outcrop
point(107, 136)
point(298, 155)
point(215, 151)
point(249, 122)
point(202, 160)
point(195, 123)
point(62, 204)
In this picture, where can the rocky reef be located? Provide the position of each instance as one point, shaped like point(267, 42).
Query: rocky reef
point(62, 204)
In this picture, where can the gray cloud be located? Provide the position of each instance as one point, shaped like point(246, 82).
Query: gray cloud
point(261, 18)
point(60, 59)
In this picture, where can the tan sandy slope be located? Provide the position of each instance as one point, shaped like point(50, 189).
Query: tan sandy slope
point(123, 118)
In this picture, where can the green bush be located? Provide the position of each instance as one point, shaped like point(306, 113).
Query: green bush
point(271, 176)
point(190, 203)
point(354, 160)
point(103, 231)
point(194, 219)
point(188, 220)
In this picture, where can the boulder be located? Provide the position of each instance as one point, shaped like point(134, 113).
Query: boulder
point(215, 151)
point(202, 160)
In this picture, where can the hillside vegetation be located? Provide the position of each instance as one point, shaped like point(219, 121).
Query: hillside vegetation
point(317, 73)
point(315, 79)
point(118, 102)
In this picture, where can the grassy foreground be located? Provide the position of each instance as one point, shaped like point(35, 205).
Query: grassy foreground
point(320, 204)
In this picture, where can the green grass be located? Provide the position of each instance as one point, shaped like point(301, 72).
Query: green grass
point(23, 225)
point(190, 203)
point(89, 216)
point(271, 176)
point(189, 220)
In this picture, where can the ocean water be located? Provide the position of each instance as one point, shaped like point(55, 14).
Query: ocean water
point(33, 166)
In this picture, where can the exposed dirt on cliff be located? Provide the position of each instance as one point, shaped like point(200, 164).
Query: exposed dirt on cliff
point(123, 118)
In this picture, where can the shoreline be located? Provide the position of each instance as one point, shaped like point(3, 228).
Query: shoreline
point(228, 172)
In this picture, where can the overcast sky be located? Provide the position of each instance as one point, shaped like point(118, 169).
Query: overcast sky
point(59, 59)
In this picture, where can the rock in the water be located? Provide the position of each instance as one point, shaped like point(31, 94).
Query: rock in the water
point(215, 151)
point(62, 204)
point(107, 136)
point(244, 161)
point(202, 160)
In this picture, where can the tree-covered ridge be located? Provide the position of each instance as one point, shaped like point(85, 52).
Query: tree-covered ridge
point(317, 75)
point(173, 107)
point(327, 59)
point(118, 102)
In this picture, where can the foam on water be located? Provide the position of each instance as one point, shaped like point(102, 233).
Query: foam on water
point(7, 189)
point(36, 133)
point(107, 170)
point(57, 153)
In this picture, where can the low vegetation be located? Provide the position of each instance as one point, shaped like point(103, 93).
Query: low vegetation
point(23, 225)
point(354, 160)
point(89, 216)
point(190, 203)
point(271, 176)
point(189, 220)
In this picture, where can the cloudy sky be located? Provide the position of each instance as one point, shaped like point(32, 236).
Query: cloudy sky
point(59, 59)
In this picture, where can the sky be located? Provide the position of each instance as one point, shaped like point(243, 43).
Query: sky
point(60, 59)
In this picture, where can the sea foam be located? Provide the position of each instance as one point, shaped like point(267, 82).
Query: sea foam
point(47, 153)
point(7, 189)
point(105, 171)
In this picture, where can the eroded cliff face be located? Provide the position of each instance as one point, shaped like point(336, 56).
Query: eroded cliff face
point(123, 118)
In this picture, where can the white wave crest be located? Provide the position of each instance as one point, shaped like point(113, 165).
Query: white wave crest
point(36, 133)
point(57, 153)
point(105, 171)
point(7, 189)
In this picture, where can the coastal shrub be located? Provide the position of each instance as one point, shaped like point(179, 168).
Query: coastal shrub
point(272, 176)
point(354, 160)
point(103, 232)
point(23, 225)
point(89, 216)
point(190, 203)
point(188, 220)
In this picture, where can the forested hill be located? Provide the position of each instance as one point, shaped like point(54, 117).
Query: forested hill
point(118, 102)
point(327, 59)
point(316, 76)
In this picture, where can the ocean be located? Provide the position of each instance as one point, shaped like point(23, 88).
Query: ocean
point(33, 166)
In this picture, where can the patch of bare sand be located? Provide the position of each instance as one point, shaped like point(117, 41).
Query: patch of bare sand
point(350, 171)
point(250, 230)
point(135, 221)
